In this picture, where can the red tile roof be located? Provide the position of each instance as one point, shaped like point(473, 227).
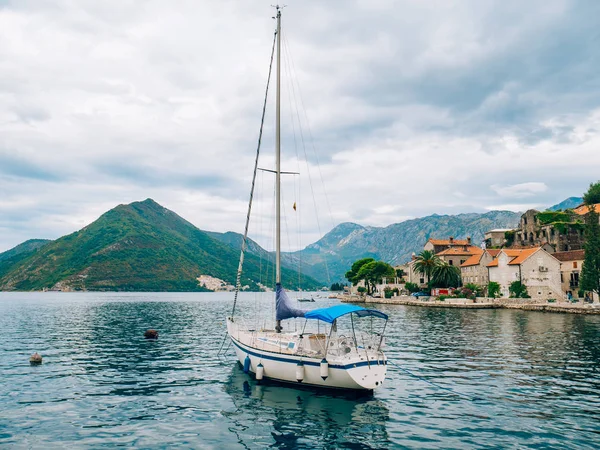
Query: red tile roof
point(472, 261)
point(573, 255)
point(523, 256)
point(475, 260)
point(447, 242)
point(518, 256)
point(461, 251)
point(584, 209)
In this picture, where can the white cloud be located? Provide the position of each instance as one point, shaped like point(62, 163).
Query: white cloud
point(520, 190)
point(110, 102)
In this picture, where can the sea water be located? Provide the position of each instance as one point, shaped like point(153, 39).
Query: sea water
point(527, 379)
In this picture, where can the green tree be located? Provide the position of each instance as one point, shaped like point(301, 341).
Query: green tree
point(373, 272)
point(592, 196)
point(425, 263)
point(590, 272)
point(493, 289)
point(337, 287)
point(412, 287)
point(518, 290)
point(351, 275)
point(444, 275)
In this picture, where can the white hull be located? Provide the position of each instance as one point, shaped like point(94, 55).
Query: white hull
point(351, 371)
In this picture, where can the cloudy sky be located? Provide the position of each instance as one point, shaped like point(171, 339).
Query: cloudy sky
point(407, 108)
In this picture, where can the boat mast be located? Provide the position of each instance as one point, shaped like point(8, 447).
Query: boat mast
point(278, 162)
point(278, 154)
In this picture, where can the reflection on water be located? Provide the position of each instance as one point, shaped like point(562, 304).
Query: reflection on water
point(103, 384)
point(296, 417)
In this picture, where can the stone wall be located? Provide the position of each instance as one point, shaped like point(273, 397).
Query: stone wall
point(532, 233)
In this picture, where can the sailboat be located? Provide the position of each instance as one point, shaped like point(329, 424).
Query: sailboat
point(321, 356)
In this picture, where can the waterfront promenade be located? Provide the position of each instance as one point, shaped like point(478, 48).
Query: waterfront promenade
point(478, 303)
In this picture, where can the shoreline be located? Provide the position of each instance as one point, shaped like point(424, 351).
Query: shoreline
point(479, 303)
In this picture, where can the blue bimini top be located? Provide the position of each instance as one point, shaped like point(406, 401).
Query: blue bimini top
point(333, 312)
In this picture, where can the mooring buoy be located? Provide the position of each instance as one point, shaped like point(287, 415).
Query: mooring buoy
point(151, 334)
point(35, 359)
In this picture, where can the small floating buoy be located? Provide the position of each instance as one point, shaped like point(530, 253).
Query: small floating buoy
point(247, 364)
point(35, 359)
point(151, 334)
point(324, 369)
point(260, 371)
point(300, 372)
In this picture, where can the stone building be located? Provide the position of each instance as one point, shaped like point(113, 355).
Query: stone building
point(556, 230)
point(456, 256)
point(453, 251)
point(496, 238)
point(570, 270)
point(474, 270)
point(537, 269)
point(438, 245)
point(412, 276)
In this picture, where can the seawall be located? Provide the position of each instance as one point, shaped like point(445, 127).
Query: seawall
point(478, 303)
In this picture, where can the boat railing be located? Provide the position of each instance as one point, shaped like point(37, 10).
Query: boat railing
point(345, 345)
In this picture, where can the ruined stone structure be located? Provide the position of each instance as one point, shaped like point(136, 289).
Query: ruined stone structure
point(558, 231)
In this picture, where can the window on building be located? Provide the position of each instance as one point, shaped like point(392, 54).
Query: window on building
point(451, 262)
point(574, 264)
point(574, 280)
point(422, 280)
point(462, 261)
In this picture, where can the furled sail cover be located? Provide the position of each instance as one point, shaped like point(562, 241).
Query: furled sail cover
point(284, 306)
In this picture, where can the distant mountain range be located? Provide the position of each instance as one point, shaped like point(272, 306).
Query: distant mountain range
point(338, 249)
point(144, 246)
point(138, 247)
point(570, 203)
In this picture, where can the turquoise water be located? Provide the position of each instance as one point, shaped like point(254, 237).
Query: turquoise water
point(102, 384)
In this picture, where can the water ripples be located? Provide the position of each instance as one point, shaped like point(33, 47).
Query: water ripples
point(102, 384)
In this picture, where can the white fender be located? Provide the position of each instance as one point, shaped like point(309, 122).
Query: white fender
point(324, 369)
point(260, 372)
point(300, 372)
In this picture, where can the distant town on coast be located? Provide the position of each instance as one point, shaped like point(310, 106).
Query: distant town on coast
point(550, 257)
point(545, 256)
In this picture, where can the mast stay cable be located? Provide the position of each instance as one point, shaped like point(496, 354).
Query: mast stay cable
point(296, 86)
point(260, 133)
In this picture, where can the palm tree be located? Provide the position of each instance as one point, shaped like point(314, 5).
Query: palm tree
point(445, 275)
point(426, 261)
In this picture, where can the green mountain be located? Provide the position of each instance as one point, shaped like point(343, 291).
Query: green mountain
point(10, 258)
point(24, 249)
point(137, 247)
